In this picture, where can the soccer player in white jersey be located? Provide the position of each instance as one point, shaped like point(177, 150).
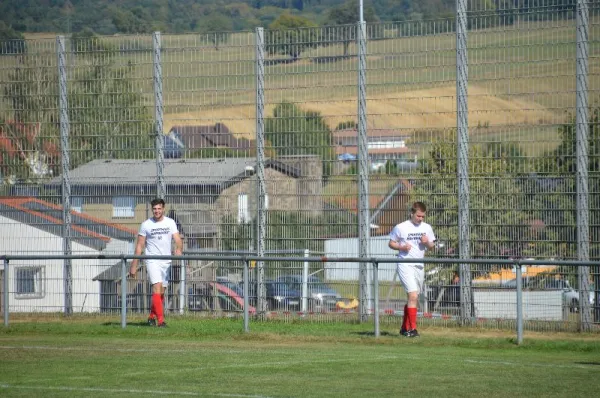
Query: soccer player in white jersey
point(155, 236)
point(412, 238)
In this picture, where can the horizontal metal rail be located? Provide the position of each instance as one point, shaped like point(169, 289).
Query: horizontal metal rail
point(247, 259)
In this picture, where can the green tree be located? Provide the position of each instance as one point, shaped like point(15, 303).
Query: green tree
point(563, 159)
point(217, 28)
point(293, 131)
point(498, 223)
point(106, 111)
point(11, 41)
point(555, 180)
point(29, 130)
point(135, 20)
point(348, 124)
point(347, 14)
point(509, 153)
point(291, 35)
point(287, 230)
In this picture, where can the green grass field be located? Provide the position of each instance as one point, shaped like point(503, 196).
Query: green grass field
point(95, 357)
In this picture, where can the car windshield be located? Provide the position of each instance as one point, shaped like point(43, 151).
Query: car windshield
point(279, 287)
point(320, 286)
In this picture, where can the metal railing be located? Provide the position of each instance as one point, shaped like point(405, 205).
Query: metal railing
point(465, 317)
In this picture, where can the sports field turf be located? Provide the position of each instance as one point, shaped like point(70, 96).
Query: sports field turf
point(95, 357)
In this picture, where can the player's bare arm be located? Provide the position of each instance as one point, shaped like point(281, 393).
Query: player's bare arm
point(403, 247)
point(178, 244)
point(425, 240)
point(139, 248)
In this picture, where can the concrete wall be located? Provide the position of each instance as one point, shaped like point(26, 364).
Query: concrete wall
point(502, 303)
point(104, 211)
point(348, 247)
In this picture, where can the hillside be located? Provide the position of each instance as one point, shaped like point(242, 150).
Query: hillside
point(410, 111)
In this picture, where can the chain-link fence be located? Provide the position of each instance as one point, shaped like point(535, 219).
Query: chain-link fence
point(314, 139)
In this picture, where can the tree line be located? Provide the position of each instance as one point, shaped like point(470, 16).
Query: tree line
point(144, 16)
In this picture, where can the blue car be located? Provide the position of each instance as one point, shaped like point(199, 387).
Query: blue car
point(321, 297)
point(280, 295)
point(347, 157)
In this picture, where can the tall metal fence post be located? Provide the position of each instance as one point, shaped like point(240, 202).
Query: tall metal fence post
point(246, 301)
point(376, 297)
point(161, 190)
point(124, 288)
point(462, 130)
point(304, 285)
point(182, 287)
point(582, 134)
point(519, 276)
point(364, 223)
point(63, 105)
point(5, 287)
point(261, 222)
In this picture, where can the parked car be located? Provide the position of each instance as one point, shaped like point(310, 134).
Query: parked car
point(236, 287)
point(280, 296)
point(570, 296)
point(321, 297)
point(213, 296)
point(347, 157)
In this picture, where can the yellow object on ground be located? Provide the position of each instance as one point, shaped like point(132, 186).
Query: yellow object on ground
point(347, 304)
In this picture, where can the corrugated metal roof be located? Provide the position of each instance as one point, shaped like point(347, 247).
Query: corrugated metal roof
point(176, 171)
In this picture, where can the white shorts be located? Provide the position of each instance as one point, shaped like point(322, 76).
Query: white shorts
point(158, 272)
point(411, 276)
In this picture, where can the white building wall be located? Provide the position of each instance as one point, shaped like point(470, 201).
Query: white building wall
point(502, 304)
point(348, 247)
point(22, 239)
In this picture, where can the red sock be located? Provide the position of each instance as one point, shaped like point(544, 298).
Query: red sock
point(405, 318)
point(412, 318)
point(158, 308)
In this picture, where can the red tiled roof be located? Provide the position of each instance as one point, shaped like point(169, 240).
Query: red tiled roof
point(18, 203)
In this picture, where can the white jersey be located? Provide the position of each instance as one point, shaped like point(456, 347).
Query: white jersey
point(159, 235)
point(407, 232)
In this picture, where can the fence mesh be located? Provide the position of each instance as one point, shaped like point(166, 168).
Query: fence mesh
point(195, 96)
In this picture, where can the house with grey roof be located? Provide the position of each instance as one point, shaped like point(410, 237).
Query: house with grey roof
point(185, 140)
point(30, 226)
point(200, 193)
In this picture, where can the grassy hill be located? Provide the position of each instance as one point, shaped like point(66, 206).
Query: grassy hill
point(521, 80)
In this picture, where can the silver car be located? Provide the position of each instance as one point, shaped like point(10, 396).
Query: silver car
point(570, 296)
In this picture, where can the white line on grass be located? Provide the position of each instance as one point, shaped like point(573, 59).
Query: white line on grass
point(103, 349)
point(128, 391)
point(278, 364)
point(540, 365)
